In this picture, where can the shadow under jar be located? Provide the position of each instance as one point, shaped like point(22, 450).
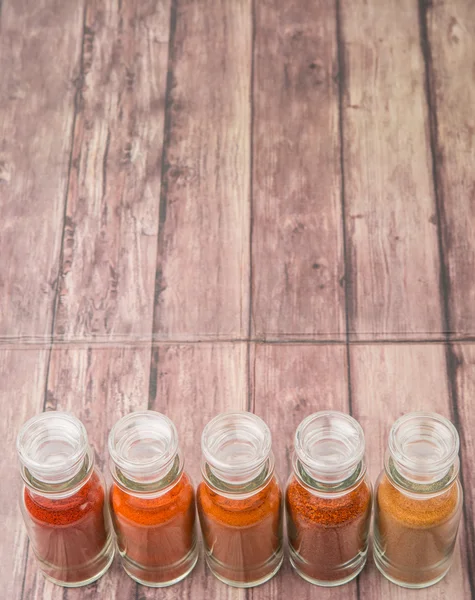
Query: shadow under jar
point(63, 500)
point(418, 501)
point(152, 500)
point(328, 500)
point(240, 501)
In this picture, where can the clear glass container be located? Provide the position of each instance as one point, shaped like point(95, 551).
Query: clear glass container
point(152, 500)
point(63, 500)
point(418, 501)
point(240, 500)
point(328, 500)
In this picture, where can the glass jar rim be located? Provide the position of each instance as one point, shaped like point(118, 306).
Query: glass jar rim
point(52, 446)
point(237, 443)
point(144, 446)
point(423, 445)
point(330, 445)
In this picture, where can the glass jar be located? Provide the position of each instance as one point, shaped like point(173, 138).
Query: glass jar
point(152, 500)
point(239, 501)
point(328, 500)
point(63, 500)
point(418, 501)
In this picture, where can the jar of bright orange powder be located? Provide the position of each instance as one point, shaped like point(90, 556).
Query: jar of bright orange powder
point(240, 500)
point(152, 500)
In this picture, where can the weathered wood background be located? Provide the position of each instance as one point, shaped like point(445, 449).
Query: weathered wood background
point(261, 204)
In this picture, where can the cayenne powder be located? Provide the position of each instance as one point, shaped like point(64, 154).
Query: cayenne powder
point(326, 532)
point(63, 500)
point(328, 500)
point(152, 500)
point(68, 533)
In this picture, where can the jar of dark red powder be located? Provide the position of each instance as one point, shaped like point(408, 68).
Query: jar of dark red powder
point(63, 500)
point(152, 500)
point(328, 500)
point(240, 501)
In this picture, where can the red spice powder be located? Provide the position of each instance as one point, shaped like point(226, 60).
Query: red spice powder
point(241, 535)
point(325, 532)
point(155, 534)
point(69, 534)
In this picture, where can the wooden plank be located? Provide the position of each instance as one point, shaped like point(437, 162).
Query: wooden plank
point(99, 386)
point(37, 87)
point(388, 381)
point(450, 52)
point(289, 383)
point(463, 373)
point(390, 211)
point(110, 235)
point(192, 384)
point(21, 397)
point(202, 281)
point(297, 253)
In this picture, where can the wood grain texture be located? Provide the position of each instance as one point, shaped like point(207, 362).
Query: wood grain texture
point(462, 366)
point(22, 380)
point(36, 116)
point(202, 281)
point(297, 253)
point(390, 210)
point(450, 52)
point(110, 232)
point(192, 384)
point(388, 381)
point(289, 383)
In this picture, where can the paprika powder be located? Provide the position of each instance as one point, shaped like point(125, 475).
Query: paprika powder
point(418, 501)
point(240, 501)
point(152, 500)
point(328, 500)
point(63, 500)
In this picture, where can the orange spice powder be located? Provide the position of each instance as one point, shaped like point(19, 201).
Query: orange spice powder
point(415, 534)
point(242, 535)
point(155, 534)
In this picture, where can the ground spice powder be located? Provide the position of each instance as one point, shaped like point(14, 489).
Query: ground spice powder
point(327, 532)
point(70, 535)
point(155, 534)
point(243, 536)
point(414, 535)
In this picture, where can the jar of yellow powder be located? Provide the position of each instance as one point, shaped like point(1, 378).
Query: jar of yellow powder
point(418, 501)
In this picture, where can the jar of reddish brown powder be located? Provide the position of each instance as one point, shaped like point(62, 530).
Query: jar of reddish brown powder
point(328, 500)
point(418, 501)
point(240, 501)
point(63, 500)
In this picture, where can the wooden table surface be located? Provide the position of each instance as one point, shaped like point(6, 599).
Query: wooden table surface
point(256, 204)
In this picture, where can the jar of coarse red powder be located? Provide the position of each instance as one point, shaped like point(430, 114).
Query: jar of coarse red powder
point(328, 500)
point(418, 501)
point(152, 500)
point(240, 500)
point(63, 500)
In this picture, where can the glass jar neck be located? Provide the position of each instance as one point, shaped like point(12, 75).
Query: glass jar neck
point(314, 483)
point(144, 452)
point(237, 457)
point(422, 455)
point(329, 452)
point(54, 453)
point(239, 484)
